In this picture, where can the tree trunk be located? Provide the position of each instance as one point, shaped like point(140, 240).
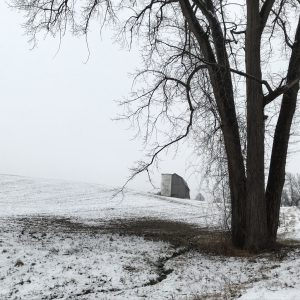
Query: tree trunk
point(237, 184)
point(256, 211)
point(223, 91)
point(281, 139)
point(236, 170)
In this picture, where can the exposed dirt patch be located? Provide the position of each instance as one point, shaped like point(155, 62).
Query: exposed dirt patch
point(179, 234)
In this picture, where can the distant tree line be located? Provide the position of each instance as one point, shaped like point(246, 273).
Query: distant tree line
point(291, 190)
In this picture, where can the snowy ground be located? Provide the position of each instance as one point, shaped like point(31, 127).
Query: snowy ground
point(66, 240)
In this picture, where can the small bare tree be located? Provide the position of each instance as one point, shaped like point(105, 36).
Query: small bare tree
point(209, 73)
point(291, 192)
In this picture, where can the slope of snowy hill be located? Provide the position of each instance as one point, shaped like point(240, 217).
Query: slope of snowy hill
point(68, 240)
point(28, 196)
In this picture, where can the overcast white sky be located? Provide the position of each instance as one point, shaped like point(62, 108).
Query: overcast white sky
point(56, 111)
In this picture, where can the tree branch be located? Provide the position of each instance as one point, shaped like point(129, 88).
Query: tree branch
point(265, 12)
point(279, 91)
point(197, 30)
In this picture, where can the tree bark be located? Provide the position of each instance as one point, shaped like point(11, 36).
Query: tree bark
point(256, 211)
point(281, 139)
point(222, 87)
point(236, 172)
point(223, 92)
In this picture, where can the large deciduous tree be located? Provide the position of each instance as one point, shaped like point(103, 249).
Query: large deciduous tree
point(211, 71)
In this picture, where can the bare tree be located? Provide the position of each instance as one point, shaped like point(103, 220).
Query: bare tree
point(209, 74)
point(291, 192)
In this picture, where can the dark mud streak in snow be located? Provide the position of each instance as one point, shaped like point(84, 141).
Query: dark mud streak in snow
point(162, 274)
point(162, 271)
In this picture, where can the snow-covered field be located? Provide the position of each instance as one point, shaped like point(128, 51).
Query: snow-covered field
point(68, 240)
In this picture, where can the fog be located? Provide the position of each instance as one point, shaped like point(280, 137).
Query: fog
point(56, 110)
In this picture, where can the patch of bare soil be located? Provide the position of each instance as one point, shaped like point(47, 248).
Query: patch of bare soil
point(179, 234)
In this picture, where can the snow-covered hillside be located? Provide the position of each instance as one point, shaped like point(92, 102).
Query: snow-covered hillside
point(68, 240)
point(27, 196)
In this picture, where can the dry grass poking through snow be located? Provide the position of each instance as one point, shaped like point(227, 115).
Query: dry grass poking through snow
point(204, 240)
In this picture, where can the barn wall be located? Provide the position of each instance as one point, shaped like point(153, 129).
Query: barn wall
point(166, 183)
point(179, 187)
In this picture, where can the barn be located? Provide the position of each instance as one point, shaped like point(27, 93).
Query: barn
point(173, 185)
